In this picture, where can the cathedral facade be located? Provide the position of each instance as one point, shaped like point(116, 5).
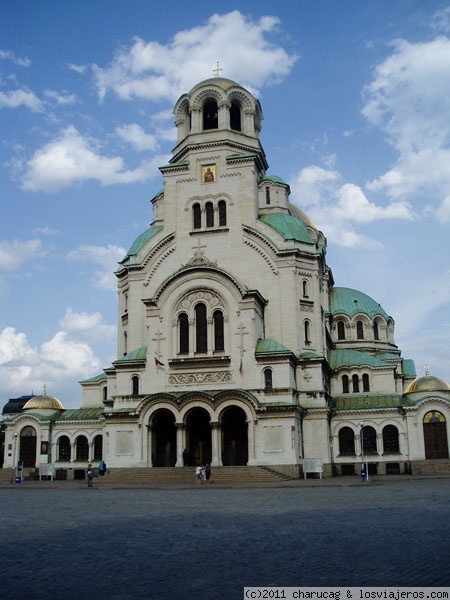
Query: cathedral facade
point(235, 346)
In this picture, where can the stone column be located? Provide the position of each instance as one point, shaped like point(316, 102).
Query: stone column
point(251, 442)
point(180, 427)
point(216, 459)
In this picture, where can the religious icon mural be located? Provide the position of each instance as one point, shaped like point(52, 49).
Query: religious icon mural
point(209, 173)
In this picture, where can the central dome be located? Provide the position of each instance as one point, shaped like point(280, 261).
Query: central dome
point(43, 402)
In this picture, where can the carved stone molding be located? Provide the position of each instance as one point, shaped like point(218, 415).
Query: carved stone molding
point(199, 378)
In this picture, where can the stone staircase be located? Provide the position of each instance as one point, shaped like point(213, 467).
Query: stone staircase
point(186, 475)
point(431, 467)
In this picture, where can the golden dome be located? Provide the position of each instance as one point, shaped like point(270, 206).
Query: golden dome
point(428, 384)
point(43, 402)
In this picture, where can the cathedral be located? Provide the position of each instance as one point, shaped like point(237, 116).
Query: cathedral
point(235, 346)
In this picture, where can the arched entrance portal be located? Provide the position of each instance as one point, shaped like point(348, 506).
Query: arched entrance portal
point(234, 437)
point(27, 454)
point(164, 439)
point(435, 435)
point(198, 436)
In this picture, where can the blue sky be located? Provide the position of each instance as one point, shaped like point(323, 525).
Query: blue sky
point(355, 97)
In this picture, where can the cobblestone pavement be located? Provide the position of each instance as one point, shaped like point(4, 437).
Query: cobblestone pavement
point(61, 540)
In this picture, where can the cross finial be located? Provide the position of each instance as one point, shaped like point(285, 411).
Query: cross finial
point(44, 388)
point(217, 70)
point(427, 372)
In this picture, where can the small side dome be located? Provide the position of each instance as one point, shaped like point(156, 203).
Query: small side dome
point(428, 384)
point(43, 402)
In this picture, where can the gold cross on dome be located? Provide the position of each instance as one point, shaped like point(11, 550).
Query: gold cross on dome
point(217, 70)
point(44, 389)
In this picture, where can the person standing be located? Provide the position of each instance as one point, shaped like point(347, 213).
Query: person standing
point(90, 475)
point(102, 468)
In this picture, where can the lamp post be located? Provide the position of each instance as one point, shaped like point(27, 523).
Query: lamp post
point(365, 464)
point(13, 470)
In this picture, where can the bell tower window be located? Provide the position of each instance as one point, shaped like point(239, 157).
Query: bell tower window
point(209, 208)
point(197, 216)
point(222, 213)
point(210, 115)
point(201, 329)
point(235, 117)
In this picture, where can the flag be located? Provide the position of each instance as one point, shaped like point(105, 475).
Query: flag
point(159, 364)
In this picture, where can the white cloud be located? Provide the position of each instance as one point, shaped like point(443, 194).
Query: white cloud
point(18, 98)
point(80, 69)
point(44, 231)
point(14, 253)
point(408, 100)
point(153, 71)
point(136, 136)
point(72, 159)
point(12, 57)
point(87, 326)
point(62, 98)
point(24, 368)
point(107, 257)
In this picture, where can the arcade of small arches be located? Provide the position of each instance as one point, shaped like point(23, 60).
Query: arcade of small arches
point(199, 435)
point(209, 215)
point(364, 329)
point(358, 384)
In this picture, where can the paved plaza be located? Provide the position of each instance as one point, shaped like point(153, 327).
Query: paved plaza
point(63, 540)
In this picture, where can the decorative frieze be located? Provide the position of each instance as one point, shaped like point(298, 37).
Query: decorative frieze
point(200, 378)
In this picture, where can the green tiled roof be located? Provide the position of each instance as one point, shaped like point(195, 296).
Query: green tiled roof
point(351, 302)
point(352, 358)
point(95, 379)
point(352, 402)
point(273, 178)
point(140, 242)
point(80, 414)
point(265, 346)
point(409, 367)
point(289, 227)
point(134, 355)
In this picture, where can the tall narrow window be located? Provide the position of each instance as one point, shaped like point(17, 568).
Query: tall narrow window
point(346, 442)
point(345, 387)
point(360, 330)
point(183, 329)
point(390, 439)
point(369, 440)
point(219, 344)
point(268, 382)
point(209, 208)
point(305, 288)
point(365, 382)
point(235, 116)
point(105, 393)
point(201, 328)
point(341, 330)
point(64, 448)
point(98, 447)
point(355, 383)
point(82, 448)
point(267, 195)
point(197, 216)
point(376, 333)
point(135, 385)
point(125, 343)
point(307, 328)
point(210, 120)
point(222, 213)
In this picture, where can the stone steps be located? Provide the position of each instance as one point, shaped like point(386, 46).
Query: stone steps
point(187, 475)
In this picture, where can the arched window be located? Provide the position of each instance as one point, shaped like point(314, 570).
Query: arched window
point(359, 330)
point(64, 448)
point(376, 333)
point(346, 442)
point(222, 213)
point(267, 195)
point(365, 382)
point(268, 382)
point(125, 343)
point(355, 383)
point(369, 440)
point(341, 330)
point(135, 385)
point(98, 447)
point(307, 329)
point(105, 393)
point(201, 328)
point(435, 435)
point(345, 386)
point(390, 439)
point(210, 120)
point(235, 116)
point(305, 288)
point(219, 344)
point(183, 331)
point(82, 449)
point(197, 216)
point(209, 208)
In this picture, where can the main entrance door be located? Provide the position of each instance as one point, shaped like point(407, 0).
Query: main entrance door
point(435, 435)
point(28, 440)
point(234, 437)
point(164, 438)
point(198, 436)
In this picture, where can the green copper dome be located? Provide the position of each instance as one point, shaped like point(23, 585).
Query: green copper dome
point(351, 302)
